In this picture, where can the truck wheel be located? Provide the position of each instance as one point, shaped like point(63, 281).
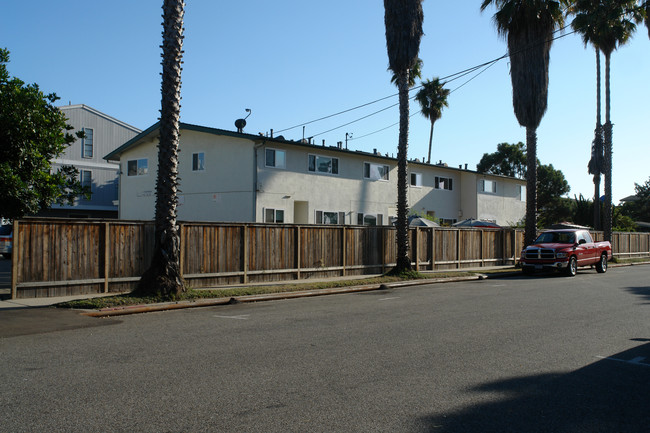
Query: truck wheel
point(527, 270)
point(572, 269)
point(601, 266)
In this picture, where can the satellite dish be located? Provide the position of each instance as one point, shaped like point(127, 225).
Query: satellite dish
point(240, 124)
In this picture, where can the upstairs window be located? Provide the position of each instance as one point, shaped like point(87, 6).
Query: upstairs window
point(488, 186)
point(198, 161)
point(522, 193)
point(276, 158)
point(416, 179)
point(137, 167)
point(444, 183)
point(323, 164)
point(87, 143)
point(375, 171)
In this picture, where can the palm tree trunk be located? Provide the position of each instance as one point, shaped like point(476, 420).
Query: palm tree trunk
point(403, 260)
point(530, 232)
point(430, 142)
point(598, 151)
point(607, 220)
point(163, 278)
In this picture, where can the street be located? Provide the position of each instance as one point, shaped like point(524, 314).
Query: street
point(541, 354)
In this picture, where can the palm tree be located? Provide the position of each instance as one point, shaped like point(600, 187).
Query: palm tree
point(528, 27)
point(403, 21)
point(432, 97)
point(414, 73)
point(163, 277)
point(586, 27)
point(607, 24)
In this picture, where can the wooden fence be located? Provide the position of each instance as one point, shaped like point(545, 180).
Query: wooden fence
point(58, 257)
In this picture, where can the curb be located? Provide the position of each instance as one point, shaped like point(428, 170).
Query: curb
point(164, 306)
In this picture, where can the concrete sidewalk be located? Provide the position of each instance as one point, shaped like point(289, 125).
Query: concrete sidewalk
point(46, 302)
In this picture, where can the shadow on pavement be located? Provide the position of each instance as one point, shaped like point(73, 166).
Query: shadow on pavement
point(642, 292)
point(610, 395)
point(28, 321)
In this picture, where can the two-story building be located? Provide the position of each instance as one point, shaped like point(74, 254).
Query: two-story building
point(233, 176)
point(103, 134)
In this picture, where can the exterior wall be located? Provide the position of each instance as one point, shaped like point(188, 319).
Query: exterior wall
point(223, 191)
point(238, 185)
point(426, 199)
point(505, 207)
point(108, 134)
point(292, 188)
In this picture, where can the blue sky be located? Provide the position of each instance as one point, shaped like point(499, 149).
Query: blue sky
point(293, 61)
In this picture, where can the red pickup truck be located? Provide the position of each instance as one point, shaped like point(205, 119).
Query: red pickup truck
point(565, 250)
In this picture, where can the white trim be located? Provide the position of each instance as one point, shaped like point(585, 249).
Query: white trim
point(86, 164)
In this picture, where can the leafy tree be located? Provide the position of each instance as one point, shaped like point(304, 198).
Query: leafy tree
point(432, 97)
point(508, 160)
point(163, 278)
point(32, 133)
point(403, 21)
point(528, 27)
point(607, 24)
point(639, 208)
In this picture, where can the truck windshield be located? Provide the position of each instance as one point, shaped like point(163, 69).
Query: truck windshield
point(556, 238)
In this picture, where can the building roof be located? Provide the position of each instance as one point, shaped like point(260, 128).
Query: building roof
point(100, 114)
point(152, 132)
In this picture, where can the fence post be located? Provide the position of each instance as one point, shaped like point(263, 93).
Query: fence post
point(107, 251)
point(416, 247)
point(16, 258)
point(432, 248)
point(244, 236)
point(298, 244)
point(383, 250)
point(343, 248)
point(457, 248)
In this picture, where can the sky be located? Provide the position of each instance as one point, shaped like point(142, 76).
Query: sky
point(293, 61)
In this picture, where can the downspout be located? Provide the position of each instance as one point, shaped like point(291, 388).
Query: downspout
point(255, 171)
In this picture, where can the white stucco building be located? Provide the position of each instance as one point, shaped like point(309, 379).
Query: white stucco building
point(231, 176)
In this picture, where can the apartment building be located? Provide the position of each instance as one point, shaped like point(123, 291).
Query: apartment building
point(239, 177)
point(103, 134)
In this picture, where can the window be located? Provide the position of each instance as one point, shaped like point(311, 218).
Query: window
point(275, 158)
point(324, 217)
point(137, 167)
point(85, 178)
point(87, 143)
point(447, 222)
point(416, 179)
point(444, 183)
point(375, 171)
point(522, 193)
point(323, 164)
point(273, 215)
point(198, 161)
point(369, 219)
point(488, 186)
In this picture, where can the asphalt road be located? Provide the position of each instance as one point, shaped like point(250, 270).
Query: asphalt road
point(543, 354)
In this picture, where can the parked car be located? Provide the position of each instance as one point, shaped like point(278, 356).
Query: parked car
point(6, 240)
point(565, 250)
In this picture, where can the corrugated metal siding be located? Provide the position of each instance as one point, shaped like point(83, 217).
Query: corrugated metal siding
point(108, 135)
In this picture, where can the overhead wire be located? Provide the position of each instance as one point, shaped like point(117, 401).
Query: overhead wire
point(446, 79)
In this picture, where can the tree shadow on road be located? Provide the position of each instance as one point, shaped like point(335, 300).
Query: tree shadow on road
point(643, 292)
point(610, 395)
